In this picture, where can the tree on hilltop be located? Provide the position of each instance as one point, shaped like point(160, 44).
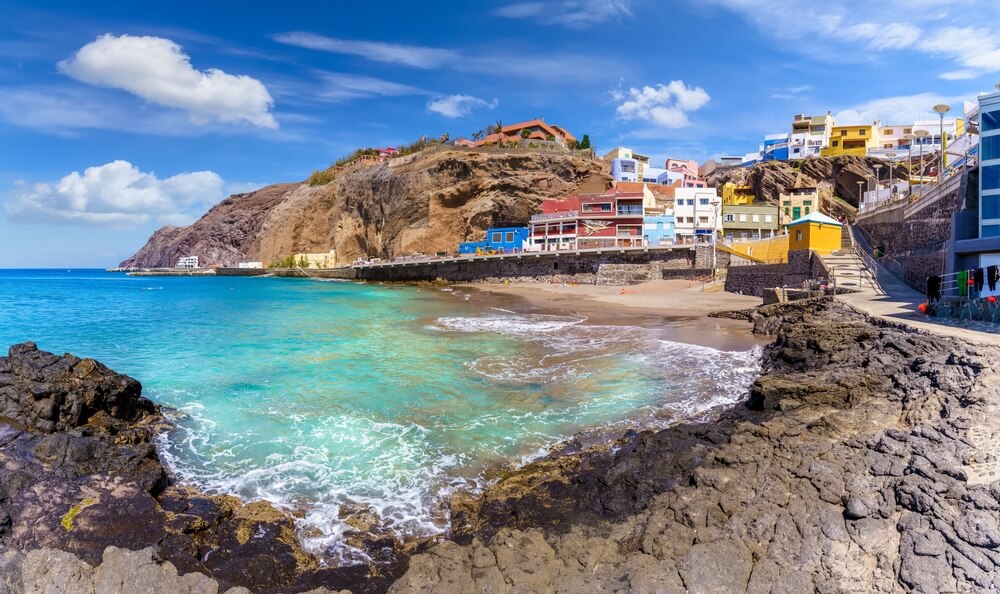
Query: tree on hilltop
point(585, 142)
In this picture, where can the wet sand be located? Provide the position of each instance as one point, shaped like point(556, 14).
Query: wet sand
point(678, 308)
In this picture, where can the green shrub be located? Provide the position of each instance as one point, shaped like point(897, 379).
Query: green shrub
point(321, 177)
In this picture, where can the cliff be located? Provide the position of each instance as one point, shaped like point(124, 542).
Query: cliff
point(426, 202)
point(835, 176)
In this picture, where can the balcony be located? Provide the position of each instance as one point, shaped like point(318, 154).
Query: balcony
point(630, 210)
point(566, 214)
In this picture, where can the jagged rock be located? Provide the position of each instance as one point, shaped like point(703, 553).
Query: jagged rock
point(847, 473)
point(426, 202)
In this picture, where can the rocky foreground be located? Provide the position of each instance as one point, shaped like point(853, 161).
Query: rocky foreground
point(863, 461)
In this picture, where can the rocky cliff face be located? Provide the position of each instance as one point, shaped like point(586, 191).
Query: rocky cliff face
point(425, 202)
point(836, 176)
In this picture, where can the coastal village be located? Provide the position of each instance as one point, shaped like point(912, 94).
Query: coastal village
point(647, 214)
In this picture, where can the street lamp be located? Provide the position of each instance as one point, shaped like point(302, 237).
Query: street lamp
point(921, 134)
point(909, 157)
point(861, 195)
point(878, 181)
point(941, 109)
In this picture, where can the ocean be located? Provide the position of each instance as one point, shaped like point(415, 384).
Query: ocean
point(315, 395)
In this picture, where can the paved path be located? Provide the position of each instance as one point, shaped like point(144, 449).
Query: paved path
point(883, 294)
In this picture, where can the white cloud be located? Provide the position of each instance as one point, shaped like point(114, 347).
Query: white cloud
point(341, 87)
point(666, 106)
point(833, 29)
point(904, 109)
point(575, 14)
point(159, 71)
point(393, 53)
point(115, 194)
point(457, 106)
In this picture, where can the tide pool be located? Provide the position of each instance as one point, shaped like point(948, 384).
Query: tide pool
point(318, 394)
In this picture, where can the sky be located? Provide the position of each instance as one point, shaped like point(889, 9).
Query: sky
point(117, 118)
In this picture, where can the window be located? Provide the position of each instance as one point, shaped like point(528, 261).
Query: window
point(990, 121)
point(743, 218)
point(703, 220)
point(755, 218)
point(767, 218)
point(807, 203)
point(990, 177)
point(807, 210)
point(690, 202)
point(729, 218)
point(907, 131)
point(798, 235)
point(703, 201)
point(991, 207)
point(509, 238)
point(843, 132)
point(496, 238)
point(861, 131)
point(835, 143)
point(990, 147)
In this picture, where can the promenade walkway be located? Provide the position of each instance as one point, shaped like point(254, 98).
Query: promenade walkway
point(883, 294)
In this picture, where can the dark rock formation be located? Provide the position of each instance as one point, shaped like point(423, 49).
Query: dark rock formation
point(839, 175)
point(79, 473)
point(866, 461)
point(426, 202)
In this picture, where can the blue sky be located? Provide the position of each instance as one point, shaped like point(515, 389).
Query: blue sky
point(117, 118)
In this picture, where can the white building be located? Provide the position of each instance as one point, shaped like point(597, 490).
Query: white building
point(810, 134)
point(697, 214)
point(187, 262)
point(251, 264)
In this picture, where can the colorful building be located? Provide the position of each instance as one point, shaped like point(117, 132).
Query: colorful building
point(733, 194)
point(499, 240)
point(852, 140)
point(798, 202)
point(658, 229)
point(775, 147)
point(688, 172)
point(316, 260)
point(697, 214)
point(535, 129)
point(187, 262)
point(810, 135)
point(607, 220)
point(816, 232)
point(749, 221)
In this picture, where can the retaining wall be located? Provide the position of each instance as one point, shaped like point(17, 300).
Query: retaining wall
point(752, 280)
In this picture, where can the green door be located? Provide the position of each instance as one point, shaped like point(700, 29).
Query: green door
point(796, 213)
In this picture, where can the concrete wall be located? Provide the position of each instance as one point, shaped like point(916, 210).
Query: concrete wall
point(752, 280)
point(915, 235)
point(620, 268)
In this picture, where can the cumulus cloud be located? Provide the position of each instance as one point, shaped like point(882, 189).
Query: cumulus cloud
point(903, 109)
point(457, 106)
point(666, 106)
point(158, 70)
point(115, 194)
point(575, 14)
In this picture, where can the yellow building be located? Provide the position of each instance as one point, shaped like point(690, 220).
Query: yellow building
point(852, 140)
point(816, 232)
point(316, 260)
point(733, 195)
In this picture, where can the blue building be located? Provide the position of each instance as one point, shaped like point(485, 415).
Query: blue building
point(775, 147)
point(626, 170)
point(500, 240)
point(658, 229)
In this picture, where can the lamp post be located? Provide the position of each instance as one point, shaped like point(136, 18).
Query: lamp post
point(941, 109)
point(909, 158)
point(921, 135)
point(878, 181)
point(861, 195)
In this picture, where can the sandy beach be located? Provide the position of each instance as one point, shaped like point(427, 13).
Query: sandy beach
point(679, 307)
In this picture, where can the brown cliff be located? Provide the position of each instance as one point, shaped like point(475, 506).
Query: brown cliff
point(426, 202)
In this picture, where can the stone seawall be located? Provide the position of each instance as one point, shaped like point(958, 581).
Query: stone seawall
point(607, 268)
point(752, 280)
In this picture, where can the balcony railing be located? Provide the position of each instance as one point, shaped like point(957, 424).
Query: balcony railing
point(555, 215)
point(630, 210)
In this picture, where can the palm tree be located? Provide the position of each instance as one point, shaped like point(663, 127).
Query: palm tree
point(499, 131)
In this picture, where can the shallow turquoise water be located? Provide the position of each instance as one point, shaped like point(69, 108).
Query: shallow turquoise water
point(316, 394)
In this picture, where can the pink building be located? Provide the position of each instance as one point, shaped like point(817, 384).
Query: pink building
point(688, 169)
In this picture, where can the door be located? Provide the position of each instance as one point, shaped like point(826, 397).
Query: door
point(796, 213)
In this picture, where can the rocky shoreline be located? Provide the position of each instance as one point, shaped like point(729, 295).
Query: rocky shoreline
point(862, 461)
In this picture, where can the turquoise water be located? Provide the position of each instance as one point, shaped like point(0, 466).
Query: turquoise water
point(317, 394)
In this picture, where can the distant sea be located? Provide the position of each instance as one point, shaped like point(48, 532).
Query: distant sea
point(316, 394)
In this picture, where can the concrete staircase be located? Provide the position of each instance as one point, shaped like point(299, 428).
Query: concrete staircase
point(849, 269)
